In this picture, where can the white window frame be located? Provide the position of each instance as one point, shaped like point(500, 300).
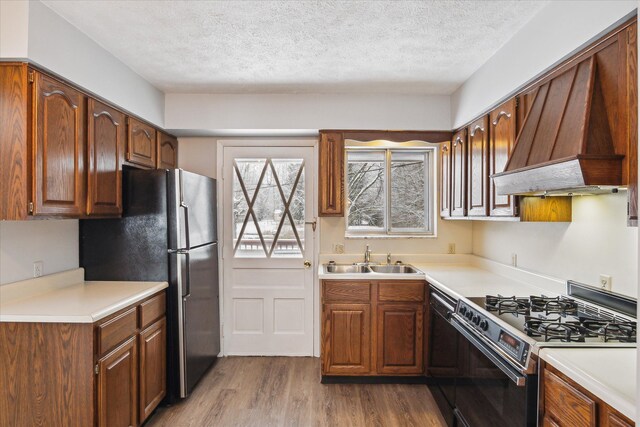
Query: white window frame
point(430, 197)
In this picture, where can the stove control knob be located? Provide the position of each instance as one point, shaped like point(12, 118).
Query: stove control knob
point(463, 310)
point(469, 314)
point(484, 325)
point(476, 319)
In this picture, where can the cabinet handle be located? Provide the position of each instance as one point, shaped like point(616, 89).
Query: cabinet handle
point(500, 115)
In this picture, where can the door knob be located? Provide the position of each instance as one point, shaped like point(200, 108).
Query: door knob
point(307, 263)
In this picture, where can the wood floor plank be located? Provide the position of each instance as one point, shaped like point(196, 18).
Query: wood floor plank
point(286, 392)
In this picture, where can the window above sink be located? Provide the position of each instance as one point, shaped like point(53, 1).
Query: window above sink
point(390, 189)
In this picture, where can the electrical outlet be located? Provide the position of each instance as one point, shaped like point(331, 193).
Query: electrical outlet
point(605, 282)
point(38, 266)
point(514, 260)
point(452, 248)
point(338, 248)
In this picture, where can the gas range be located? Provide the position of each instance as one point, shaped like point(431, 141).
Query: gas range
point(517, 326)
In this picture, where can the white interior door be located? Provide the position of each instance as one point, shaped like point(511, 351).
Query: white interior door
point(268, 245)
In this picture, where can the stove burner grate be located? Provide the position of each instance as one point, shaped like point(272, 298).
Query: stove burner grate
point(511, 305)
point(553, 305)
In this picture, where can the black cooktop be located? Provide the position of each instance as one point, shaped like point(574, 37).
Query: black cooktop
point(560, 319)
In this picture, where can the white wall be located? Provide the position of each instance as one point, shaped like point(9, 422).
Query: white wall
point(14, 28)
point(557, 30)
point(198, 155)
point(458, 232)
point(306, 111)
point(31, 30)
point(54, 242)
point(596, 242)
point(59, 46)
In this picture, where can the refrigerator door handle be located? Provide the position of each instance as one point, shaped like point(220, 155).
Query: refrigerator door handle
point(184, 207)
point(186, 224)
point(186, 270)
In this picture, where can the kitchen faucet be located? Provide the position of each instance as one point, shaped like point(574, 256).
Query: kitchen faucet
point(389, 258)
point(367, 255)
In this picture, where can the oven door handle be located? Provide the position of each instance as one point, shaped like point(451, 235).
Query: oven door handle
point(519, 379)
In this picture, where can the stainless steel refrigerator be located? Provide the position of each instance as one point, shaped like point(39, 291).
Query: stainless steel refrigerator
point(167, 233)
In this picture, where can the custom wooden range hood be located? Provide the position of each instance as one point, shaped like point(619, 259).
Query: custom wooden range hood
point(571, 141)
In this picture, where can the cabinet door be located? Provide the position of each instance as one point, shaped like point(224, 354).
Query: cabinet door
point(331, 174)
point(477, 169)
point(614, 420)
point(153, 362)
point(58, 181)
point(400, 335)
point(502, 137)
point(167, 151)
point(105, 143)
point(346, 339)
point(458, 174)
point(567, 405)
point(141, 144)
point(118, 386)
point(445, 179)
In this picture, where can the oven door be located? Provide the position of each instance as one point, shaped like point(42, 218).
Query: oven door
point(491, 392)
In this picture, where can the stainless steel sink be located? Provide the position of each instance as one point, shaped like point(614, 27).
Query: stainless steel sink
point(371, 268)
point(394, 269)
point(346, 268)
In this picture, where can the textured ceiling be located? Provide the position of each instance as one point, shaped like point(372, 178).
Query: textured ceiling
point(301, 46)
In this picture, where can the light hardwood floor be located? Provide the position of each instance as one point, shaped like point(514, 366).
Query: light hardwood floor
point(286, 391)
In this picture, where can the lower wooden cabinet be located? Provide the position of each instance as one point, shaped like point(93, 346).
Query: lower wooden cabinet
point(118, 386)
point(400, 336)
point(153, 363)
point(373, 328)
point(564, 403)
point(346, 339)
point(110, 373)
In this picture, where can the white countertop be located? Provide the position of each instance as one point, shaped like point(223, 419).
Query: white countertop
point(66, 298)
point(608, 373)
point(466, 280)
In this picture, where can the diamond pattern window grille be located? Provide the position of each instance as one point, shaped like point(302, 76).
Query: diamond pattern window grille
point(268, 207)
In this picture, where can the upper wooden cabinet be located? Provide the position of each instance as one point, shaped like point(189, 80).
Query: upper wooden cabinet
point(141, 143)
point(502, 137)
point(167, 151)
point(459, 174)
point(62, 151)
point(331, 174)
point(58, 177)
point(105, 143)
point(445, 179)
point(477, 168)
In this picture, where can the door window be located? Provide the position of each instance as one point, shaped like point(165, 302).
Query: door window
point(268, 207)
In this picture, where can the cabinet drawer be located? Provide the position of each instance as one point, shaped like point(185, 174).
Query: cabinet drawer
point(116, 330)
point(565, 404)
point(401, 291)
point(152, 309)
point(336, 290)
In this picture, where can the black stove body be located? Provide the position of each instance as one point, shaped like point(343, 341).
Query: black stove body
point(483, 351)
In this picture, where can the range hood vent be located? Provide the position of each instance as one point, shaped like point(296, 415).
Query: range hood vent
point(566, 143)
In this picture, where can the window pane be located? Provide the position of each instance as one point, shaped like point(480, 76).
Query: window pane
point(408, 208)
point(365, 183)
